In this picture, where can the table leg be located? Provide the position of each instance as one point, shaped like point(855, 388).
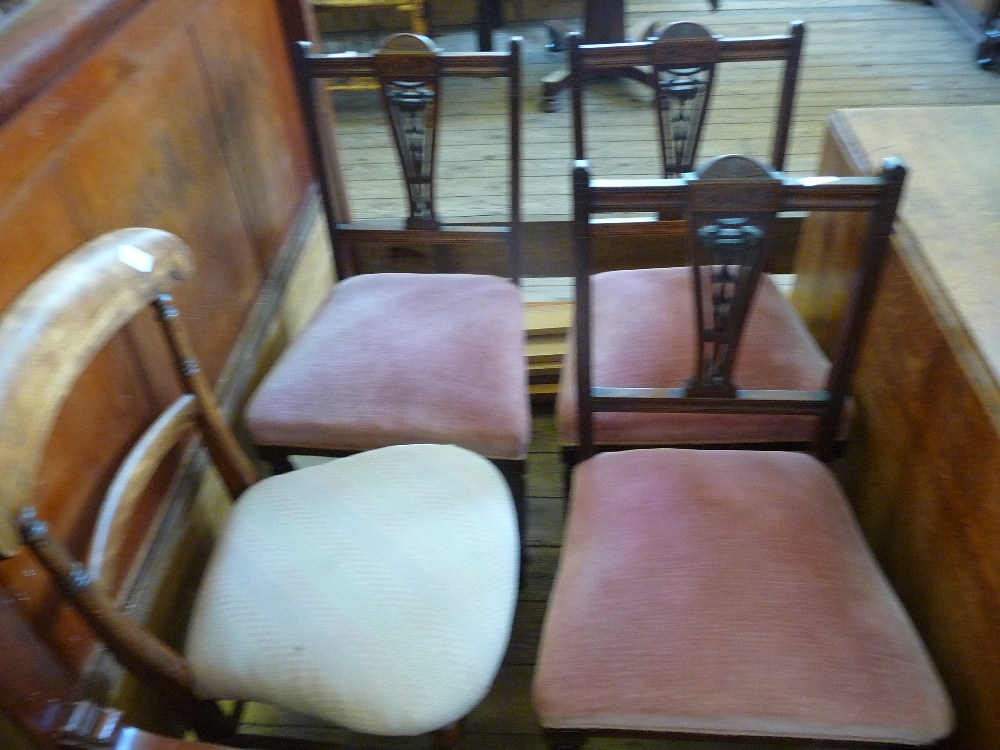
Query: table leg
point(489, 15)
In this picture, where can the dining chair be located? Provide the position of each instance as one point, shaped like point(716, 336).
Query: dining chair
point(719, 324)
point(680, 63)
point(395, 357)
point(375, 592)
point(724, 595)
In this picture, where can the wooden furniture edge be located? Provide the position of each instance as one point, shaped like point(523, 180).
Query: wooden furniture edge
point(908, 248)
point(47, 38)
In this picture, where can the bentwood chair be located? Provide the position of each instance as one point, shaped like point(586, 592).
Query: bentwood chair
point(725, 594)
point(375, 592)
point(680, 64)
point(717, 325)
point(393, 357)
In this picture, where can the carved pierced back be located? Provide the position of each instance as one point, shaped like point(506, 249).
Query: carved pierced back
point(684, 61)
point(679, 63)
point(408, 71)
point(730, 218)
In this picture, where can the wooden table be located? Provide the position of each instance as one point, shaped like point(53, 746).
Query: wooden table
point(924, 470)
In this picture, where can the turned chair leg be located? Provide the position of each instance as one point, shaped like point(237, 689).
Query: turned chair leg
point(564, 739)
point(449, 736)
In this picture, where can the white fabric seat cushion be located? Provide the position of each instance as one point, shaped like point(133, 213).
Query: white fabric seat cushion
point(375, 591)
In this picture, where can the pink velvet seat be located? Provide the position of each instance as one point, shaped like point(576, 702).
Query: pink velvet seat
point(643, 336)
point(727, 593)
point(403, 358)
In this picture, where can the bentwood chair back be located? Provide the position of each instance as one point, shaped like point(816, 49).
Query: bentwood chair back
point(375, 592)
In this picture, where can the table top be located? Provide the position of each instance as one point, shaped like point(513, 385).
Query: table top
point(949, 218)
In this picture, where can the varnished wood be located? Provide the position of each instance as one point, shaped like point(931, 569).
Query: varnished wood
point(34, 686)
point(132, 479)
point(177, 114)
point(923, 471)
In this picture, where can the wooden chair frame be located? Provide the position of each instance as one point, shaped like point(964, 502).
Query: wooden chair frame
point(413, 63)
point(409, 62)
point(47, 338)
point(679, 67)
point(414, 10)
point(712, 389)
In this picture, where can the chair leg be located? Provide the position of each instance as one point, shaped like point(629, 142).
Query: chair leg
point(281, 465)
point(564, 739)
point(449, 736)
point(513, 471)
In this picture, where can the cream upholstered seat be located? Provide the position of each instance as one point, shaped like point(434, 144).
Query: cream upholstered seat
point(374, 591)
point(644, 336)
point(727, 593)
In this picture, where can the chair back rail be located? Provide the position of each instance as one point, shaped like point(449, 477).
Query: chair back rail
point(47, 338)
point(731, 197)
point(681, 67)
point(51, 333)
point(408, 69)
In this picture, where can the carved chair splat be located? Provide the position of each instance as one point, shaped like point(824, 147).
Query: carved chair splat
point(717, 328)
point(679, 64)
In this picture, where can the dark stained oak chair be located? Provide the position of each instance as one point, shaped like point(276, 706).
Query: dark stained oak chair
point(718, 325)
point(723, 594)
point(679, 63)
point(393, 358)
point(375, 591)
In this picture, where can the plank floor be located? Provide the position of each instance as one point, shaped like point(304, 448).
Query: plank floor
point(858, 53)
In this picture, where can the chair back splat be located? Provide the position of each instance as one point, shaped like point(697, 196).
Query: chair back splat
point(409, 70)
point(304, 562)
point(680, 63)
point(750, 357)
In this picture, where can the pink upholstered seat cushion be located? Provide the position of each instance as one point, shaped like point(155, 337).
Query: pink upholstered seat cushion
point(403, 358)
point(727, 593)
point(643, 336)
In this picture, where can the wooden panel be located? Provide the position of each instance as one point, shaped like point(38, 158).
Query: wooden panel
point(146, 118)
point(170, 174)
point(260, 122)
point(924, 470)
